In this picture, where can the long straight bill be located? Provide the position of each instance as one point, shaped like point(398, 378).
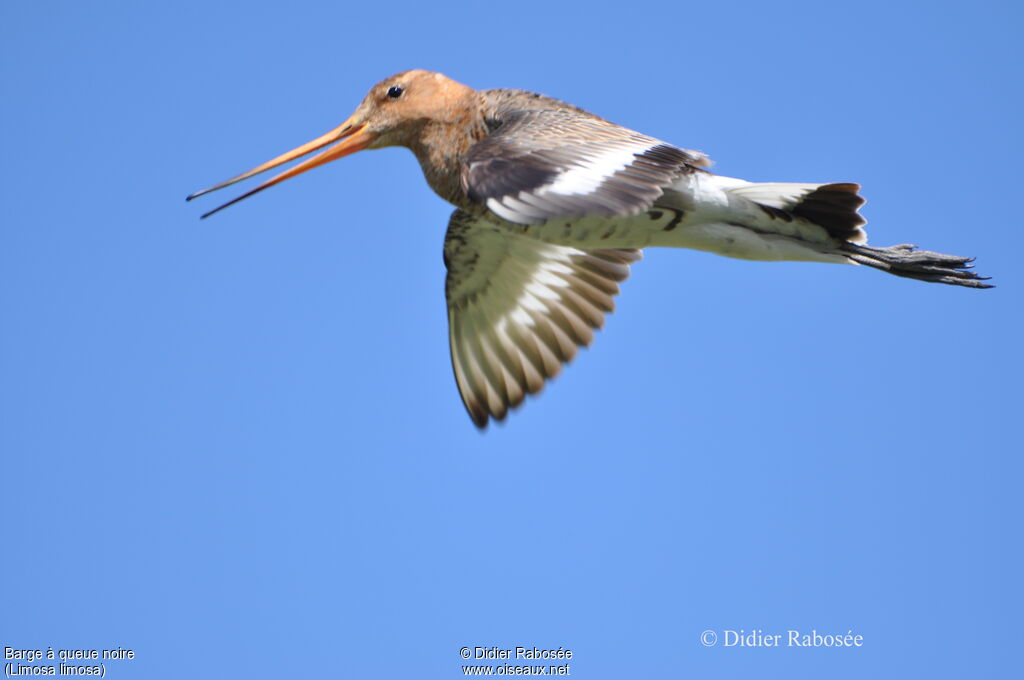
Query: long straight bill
point(350, 138)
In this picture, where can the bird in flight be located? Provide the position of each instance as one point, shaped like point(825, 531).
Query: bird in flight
point(552, 206)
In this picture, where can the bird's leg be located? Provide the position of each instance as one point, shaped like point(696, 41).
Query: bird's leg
point(924, 265)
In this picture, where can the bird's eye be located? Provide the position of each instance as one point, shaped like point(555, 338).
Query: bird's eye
point(395, 92)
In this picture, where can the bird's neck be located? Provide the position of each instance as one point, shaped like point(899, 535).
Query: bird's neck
point(441, 147)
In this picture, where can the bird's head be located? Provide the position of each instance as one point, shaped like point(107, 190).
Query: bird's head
point(393, 113)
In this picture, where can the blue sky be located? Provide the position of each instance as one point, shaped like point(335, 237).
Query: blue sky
point(235, 446)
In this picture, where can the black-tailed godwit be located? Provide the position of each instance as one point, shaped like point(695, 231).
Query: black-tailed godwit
point(553, 205)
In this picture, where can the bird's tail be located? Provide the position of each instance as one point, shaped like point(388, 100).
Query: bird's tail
point(834, 207)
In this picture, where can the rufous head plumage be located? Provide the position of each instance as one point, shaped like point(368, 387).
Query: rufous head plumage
point(394, 112)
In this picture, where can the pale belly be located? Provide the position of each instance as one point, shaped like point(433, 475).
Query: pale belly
point(671, 228)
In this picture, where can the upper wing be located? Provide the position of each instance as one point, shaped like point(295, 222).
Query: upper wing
point(518, 309)
point(559, 162)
